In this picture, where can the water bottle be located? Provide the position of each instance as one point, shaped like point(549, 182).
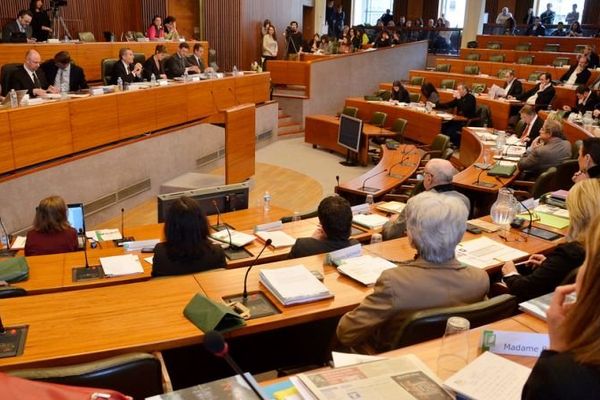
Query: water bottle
point(120, 84)
point(235, 71)
point(153, 79)
point(13, 99)
point(186, 75)
point(64, 89)
point(500, 141)
point(266, 202)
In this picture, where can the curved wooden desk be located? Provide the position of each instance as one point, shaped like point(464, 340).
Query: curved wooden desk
point(537, 42)
point(541, 58)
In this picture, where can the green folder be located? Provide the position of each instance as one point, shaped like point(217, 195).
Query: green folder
point(14, 269)
point(212, 316)
point(504, 171)
point(548, 220)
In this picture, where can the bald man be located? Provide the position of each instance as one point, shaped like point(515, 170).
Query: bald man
point(437, 177)
point(30, 77)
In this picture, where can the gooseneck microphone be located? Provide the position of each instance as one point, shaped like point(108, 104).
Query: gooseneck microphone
point(218, 226)
point(216, 345)
point(123, 237)
point(370, 189)
point(337, 179)
point(245, 294)
point(88, 271)
point(405, 154)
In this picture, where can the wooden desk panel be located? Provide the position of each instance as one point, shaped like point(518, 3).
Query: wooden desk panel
point(537, 43)
point(137, 112)
point(87, 129)
point(45, 274)
point(224, 93)
point(240, 142)
point(90, 56)
point(254, 88)
point(7, 161)
point(171, 107)
point(540, 57)
point(40, 133)
point(200, 100)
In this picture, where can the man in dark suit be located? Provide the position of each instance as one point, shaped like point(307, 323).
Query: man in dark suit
point(19, 30)
point(513, 86)
point(63, 74)
point(30, 77)
point(125, 68)
point(594, 60)
point(196, 58)
point(178, 63)
point(549, 149)
point(578, 74)
point(587, 100)
point(465, 105)
point(542, 94)
point(533, 124)
point(536, 29)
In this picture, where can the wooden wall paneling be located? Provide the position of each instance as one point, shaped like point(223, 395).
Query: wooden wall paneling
point(137, 112)
point(87, 129)
point(591, 14)
point(7, 161)
point(40, 133)
point(98, 51)
point(150, 8)
point(430, 9)
point(521, 9)
point(187, 13)
point(240, 143)
point(171, 107)
point(224, 31)
point(400, 9)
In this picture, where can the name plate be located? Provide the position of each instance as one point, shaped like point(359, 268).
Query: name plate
point(271, 226)
point(96, 91)
point(514, 343)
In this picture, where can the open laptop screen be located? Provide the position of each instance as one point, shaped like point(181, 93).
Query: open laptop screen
point(75, 217)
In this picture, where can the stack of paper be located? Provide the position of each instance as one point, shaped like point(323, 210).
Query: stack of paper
point(483, 225)
point(337, 257)
point(104, 234)
point(138, 245)
point(484, 252)
point(294, 285)
point(19, 243)
point(346, 359)
point(539, 306)
point(369, 220)
point(121, 265)
point(233, 237)
point(365, 269)
point(278, 238)
point(391, 207)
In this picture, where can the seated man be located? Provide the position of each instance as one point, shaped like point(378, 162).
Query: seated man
point(64, 74)
point(577, 74)
point(30, 77)
point(335, 217)
point(587, 100)
point(125, 68)
point(437, 177)
point(197, 58)
point(513, 86)
point(534, 124)
point(536, 29)
point(465, 105)
point(435, 225)
point(548, 150)
point(178, 64)
point(19, 30)
point(542, 94)
point(588, 160)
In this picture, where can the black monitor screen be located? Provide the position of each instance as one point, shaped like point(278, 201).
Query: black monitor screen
point(75, 217)
point(349, 133)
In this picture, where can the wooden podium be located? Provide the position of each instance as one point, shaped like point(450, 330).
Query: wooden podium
point(240, 143)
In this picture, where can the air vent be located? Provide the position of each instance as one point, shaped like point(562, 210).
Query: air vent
point(210, 158)
point(134, 189)
point(265, 136)
point(100, 204)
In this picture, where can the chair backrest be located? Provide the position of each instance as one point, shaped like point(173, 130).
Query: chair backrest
point(519, 127)
point(139, 58)
point(138, 375)
point(502, 72)
point(553, 47)
point(525, 60)
point(378, 118)
point(473, 57)
point(398, 126)
point(478, 87)
point(414, 97)
point(350, 111)
point(564, 174)
point(579, 48)
point(472, 69)
point(575, 149)
point(306, 215)
point(494, 45)
point(544, 183)
point(442, 67)
point(384, 94)
point(447, 154)
point(138, 35)
point(87, 37)
point(534, 76)
point(447, 83)
point(485, 114)
point(11, 291)
point(523, 47)
point(417, 80)
point(5, 74)
point(431, 324)
point(560, 61)
point(106, 68)
point(372, 98)
point(440, 143)
point(497, 58)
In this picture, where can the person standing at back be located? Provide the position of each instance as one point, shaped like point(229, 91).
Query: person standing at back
point(40, 22)
point(51, 232)
point(270, 48)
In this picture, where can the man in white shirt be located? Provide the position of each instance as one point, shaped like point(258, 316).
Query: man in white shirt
point(503, 16)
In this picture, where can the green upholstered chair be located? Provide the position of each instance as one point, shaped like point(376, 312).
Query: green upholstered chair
point(139, 58)
point(525, 60)
point(442, 67)
point(417, 80)
point(523, 47)
point(414, 97)
point(87, 37)
point(473, 57)
point(384, 94)
point(560, 61)
point(478, 88)
point(5, 74)
point(398, 127)
point(519, 128)
point(494, 45)
point(437, 147)
point(552, 47)
point(350, 111)
point(372, 98)
point(579, 48)
point(497, 58)
point(534, 76)
point(471, 69)
point(138, 35)
point(447, 83)
point(483, 116)
point(378, 119)
point(106, 68)
point(502, 72)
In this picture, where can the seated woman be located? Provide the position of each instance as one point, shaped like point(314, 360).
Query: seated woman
point(570, 368)
point(154, 65)
point(399, 93)
point(547, 272)
point(430, 93)
point(51, 232)
point(186, 248)
point(155, 30)
point(575, 30)
point(171, 32)
point(313, 44)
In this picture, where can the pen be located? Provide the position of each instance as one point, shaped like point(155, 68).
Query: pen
point(522, 263)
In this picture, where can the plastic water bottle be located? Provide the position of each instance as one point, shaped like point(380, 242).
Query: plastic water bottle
point(186, 75)
point(13, 99)
point(153, 79)
point(235, 71)
point(120, 84)
point(500, 141)
point(64, 89)
point(266, 202)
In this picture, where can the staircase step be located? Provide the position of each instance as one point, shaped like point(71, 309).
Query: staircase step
point(286, 122)
point(282, 130)
point(299, 132)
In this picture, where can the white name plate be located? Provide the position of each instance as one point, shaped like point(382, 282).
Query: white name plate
point(514, 343)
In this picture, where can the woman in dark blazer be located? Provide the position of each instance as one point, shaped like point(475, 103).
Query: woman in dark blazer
point(51, 232)
point(154, 64)
point(40, 22)
point(186, 248)
point(399, 93)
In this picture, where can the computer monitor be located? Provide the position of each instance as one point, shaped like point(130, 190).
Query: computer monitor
point(227, 197)
point(75, 217)
point(349, 132)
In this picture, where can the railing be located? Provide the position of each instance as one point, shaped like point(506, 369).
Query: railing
point(441, 41)
point(521, 29)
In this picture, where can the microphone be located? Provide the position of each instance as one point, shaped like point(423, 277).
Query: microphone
point(217, 346)
point(401, 162)
point(6, 251)
point(337, 178)
point(2, 329)
point(371, 189)
point(88, 271)
point(529, 213)
point(219, 226)
point(119, 242)
point(245, 294)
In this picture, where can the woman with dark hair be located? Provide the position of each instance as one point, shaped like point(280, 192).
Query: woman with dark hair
point(575, 29)
point(40, 22)
point(51, 232)
point(399, 93)
point(155, 30)
point(186, 248)
point(269, 46)
point(171, 28)
point(313, 44)
point(265, 27)
point(430, 93)
point(383, 40)
point(154, 65)
point(355, 40)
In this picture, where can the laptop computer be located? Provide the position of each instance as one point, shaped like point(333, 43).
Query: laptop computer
point(76, 219)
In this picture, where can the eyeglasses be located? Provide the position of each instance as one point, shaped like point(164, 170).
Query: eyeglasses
point(509, 237)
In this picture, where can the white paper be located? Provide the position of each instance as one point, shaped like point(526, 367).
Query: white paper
point(126, 264)
point(149, 260)
point(391, 206)
point(366, 269)
point(292, 285)
point(336, 257)
point(345, 359)
point(138, 245)
point(19, 243)
point(369, 220)
point(238, 239)
point(515, 343)
point(104, 234)
point(278, 238)
point(484, 252)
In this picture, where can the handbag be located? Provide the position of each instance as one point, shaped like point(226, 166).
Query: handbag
point(14, 269)
point(209, 315)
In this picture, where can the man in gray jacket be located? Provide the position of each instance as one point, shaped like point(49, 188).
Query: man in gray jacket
point(549, 149)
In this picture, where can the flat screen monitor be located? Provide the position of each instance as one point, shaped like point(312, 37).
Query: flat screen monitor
point(227, 197)
point(75, 217)
point(349, 132)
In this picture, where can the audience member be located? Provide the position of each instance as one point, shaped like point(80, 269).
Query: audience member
point(125, 68)
point(529, 17)
point(293, 39)
point(30, 77)
point(19, 30)
point(383, 40)
point(570, 368)
point(512, 85)
point(329, 11)
point(509, 26)
point(170, 28)
point(355, 39)
point(178, 64)
point(587, 100)
point(314, 43)
point(155, 30)
point(270, 48)
point(399, 93)
point(51, 232)
point(560, 30)
point(154, 64)
point(387, 17)
point(435, 225)
point(575, 30)
point(186, 248)
point(547, 16)
point(545, 272)
point(503, 16)
point(339, 16)
point(588, 160)
point(40, 21)
point(549, 149)
point(542, 94)
point(533, 124)
point(573, 16)
point(265, 27)
point(593, 58)
point(465, 104)
point(437, 177)
point(536, 29)
point(64, 74)
point(335, 219)
point(578, 74)
point(430, 93)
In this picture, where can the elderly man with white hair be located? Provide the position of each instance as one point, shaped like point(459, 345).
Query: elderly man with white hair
point(435, 225)
point(437, 177)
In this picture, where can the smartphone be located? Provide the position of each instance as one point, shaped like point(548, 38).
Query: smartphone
point(473, 229)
